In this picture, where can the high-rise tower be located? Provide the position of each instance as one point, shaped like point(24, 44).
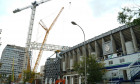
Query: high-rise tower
point(0, 37)
point(10, 52)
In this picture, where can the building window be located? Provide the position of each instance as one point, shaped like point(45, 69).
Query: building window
point(122, 60)
point(138, 59)
point(114, 74)
point(110, 62)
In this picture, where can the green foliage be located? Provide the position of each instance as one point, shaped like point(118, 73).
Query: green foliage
point(0, 65)
point(0, 75)
point(28, 75)
point(94, 69)
point(9, 78)
point(129, 16)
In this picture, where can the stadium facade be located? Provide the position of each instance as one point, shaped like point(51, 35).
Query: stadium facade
point(119, 49)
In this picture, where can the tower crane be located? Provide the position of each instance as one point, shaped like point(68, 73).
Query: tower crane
point(33, 7)
point(28, 43)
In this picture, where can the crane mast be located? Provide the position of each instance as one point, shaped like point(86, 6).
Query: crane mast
point(33, 7)
point(29, 38)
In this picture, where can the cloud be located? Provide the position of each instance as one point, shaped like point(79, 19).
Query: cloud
point(94, 16)
point(100, 7)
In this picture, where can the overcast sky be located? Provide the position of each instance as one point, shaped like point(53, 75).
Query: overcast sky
point(94, 16)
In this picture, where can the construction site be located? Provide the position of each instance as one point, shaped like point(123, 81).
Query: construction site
point(25, 65)
point(118, 49)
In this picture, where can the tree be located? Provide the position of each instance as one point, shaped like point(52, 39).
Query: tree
point(129, 16)
point(28, 76)
point(0, 64)
point(9, 79)
point(0, 74)
point(0, 67)
point(95, 69)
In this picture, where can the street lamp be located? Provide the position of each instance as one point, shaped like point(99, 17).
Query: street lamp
point(74, 23)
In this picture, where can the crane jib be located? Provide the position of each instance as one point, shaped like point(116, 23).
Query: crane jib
point(35, 3)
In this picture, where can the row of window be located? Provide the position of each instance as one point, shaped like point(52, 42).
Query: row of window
point(121, 61)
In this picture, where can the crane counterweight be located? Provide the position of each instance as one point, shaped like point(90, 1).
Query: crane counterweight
point(17, 10)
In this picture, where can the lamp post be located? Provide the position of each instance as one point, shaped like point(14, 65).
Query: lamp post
point(74, 23)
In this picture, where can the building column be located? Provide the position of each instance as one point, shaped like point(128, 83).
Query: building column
point(78, 54)
point(97, 50)
point(113, 44)
point(75, 80)
point(123, 43)
point(54, 81)
point(72, 80)
point(50, 81)
point(46, 80)
point(35, 81)
point(59, 79)
point(103, 41)
point(84, 50)
point(74, 57)
point(79, 79)
point(134, 40)
point(66, 80)
point(64, 63)
point(69, 59)
point(90, 49)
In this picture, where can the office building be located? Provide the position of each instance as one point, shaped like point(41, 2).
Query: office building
point(10, 53)
point(0, 36)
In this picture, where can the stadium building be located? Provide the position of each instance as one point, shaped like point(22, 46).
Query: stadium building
point(119, 49)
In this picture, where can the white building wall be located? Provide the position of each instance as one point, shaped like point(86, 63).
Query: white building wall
point(119, 71)
point(127, 59)
point(42, 69)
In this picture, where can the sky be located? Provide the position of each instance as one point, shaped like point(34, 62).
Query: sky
point(94, 16)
